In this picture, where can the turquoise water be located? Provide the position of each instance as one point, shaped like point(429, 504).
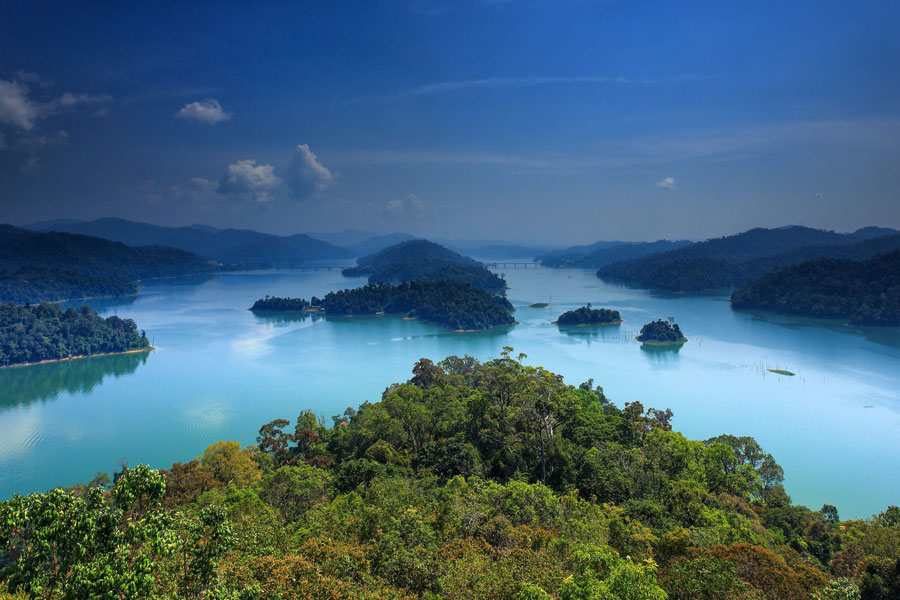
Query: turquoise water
point(220, 372)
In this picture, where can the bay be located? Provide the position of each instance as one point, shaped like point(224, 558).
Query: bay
point(221, 371)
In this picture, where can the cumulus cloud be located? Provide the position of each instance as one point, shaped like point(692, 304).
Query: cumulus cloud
point(247, 179)
point(205, 111)
point(410, 205)
point(16, 108)
point(306, 175)
point(667, 184)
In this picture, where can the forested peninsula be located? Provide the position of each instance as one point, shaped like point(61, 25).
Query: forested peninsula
point(450, 304)
point(37, 267)
point(589, 316)
point(863, 292)
point(472, 480)
point(421, 260)
point(31, 334)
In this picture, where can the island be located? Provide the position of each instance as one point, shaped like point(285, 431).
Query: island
point(422, 260)
point(589, 316)
point(861, 292)
point(661, 333)
point(450, 304)
point(277, 304)
point(44, 333)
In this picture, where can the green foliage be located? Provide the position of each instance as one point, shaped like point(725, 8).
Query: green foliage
point(865, 292)
point(589, 316)
point(472, 480)
point(277, 304)
point(46, 332)
point(43, 284)
point(661, 331)
point(447, 303)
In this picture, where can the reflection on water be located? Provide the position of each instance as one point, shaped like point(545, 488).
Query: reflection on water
point(588, 333)
point(661, 354)
point(23, 385)
point(284, 318)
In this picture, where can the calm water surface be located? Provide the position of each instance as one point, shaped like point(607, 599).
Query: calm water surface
point(220, 372)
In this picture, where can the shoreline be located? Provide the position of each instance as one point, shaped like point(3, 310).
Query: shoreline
point(619, 322)
point(421, 320)
point(656, 343)
point(55, 360)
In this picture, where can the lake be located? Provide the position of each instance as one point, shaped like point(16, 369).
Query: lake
point(220, 372)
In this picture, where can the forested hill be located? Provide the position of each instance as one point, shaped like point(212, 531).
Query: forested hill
point(46, 332)
point(422, 260)
point(864, 292)
point(470, 481)
point(53, 266)
point(733, 260)
point(223, 245)
point(451, 304)
point(607, 254)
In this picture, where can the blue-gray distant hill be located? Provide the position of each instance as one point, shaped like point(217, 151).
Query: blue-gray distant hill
point(38, 266)
point(225, 245)
point(603, 253)
point(422, 260)
point(733, 260)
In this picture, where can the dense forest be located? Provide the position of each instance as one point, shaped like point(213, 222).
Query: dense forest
point(589, 316)
point(421, 260)
point(46, 332)
point(863, 292)
point(447, 303)
point(734, 260)
point(660, 331)
point(55, 266)
point(43, 284)
point(277, 304)
point(472, 480)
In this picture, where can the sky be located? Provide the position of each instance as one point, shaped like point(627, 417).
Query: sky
point(557, 122)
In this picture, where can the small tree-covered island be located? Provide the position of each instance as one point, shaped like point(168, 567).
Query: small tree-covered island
point(589, 316)
point(276, 304)
point(32, 334)
point(470, 481)
point(661, 333)
point(450, 304)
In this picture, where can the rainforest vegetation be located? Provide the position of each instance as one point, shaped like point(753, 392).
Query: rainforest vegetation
point(35, 267)
point(863, 292)
point(44, 284)
point(422, 260)
point(276, 304)
point(47, 332)
point(589, 316)
point(472, 480)
point(660, 331)
point(448, 303)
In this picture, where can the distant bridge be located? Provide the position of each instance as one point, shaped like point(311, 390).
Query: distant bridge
point(514, 265)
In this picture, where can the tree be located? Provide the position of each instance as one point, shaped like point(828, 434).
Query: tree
point(228, 463)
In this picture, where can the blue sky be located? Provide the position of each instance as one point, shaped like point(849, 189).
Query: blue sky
point(560, 122)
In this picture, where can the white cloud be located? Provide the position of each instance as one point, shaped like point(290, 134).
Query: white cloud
point(306, 175)
point(205, 111)
point(16, 108)
point(410, 205)
point(246, 178)
point(667, 184)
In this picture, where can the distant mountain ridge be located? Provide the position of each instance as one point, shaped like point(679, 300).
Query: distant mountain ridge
point(224, 245)
point(732, 260)
point(604, 253)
